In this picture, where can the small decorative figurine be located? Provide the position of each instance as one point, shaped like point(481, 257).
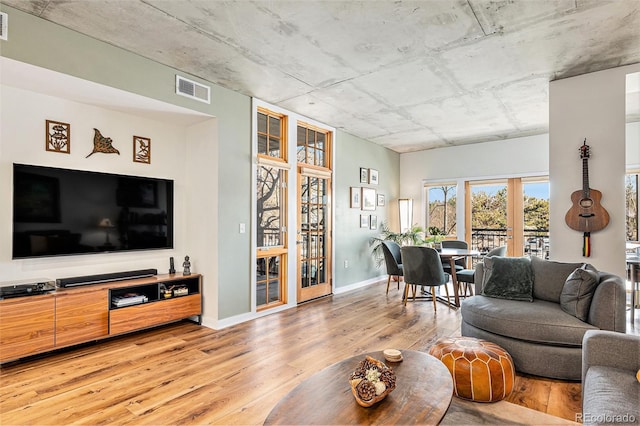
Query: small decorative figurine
point(186, 265)
point(102, 144)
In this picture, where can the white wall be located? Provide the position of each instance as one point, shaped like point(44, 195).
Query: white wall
point(22, 140)
point(527, 156)
point(589, 106)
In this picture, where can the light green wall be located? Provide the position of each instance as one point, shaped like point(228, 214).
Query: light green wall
point(39, 42)
point(351, 241)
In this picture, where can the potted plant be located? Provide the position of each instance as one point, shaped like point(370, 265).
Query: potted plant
point(434, 238)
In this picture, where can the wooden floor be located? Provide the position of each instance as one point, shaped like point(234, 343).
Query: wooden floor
point(188, 374)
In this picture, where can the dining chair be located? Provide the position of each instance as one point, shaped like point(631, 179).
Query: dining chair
point(393, 261)
point(460, 263)
point(422, 267)
point(467, 276)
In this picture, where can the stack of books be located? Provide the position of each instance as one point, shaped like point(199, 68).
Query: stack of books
point(128, 299)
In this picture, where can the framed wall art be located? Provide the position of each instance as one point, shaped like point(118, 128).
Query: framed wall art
point(368, 199)
point(355, 197)
point(373, 222)
point(373, 177)
point(364, 175)
point(380, 200)
point(364, 221)
point(141, 150)
point(58, 137)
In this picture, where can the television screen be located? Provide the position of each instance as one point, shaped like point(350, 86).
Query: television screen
point(64, 212)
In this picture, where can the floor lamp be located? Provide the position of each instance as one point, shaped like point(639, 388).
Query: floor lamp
point(405, 208)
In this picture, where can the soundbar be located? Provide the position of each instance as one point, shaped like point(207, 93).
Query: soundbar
point(103, 278)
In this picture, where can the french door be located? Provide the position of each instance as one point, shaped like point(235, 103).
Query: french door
point(314, 214)
point(512, 212)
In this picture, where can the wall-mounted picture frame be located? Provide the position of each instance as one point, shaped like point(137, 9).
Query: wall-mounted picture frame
point(368, 199)
point(364, 175)
point(380, 200)
point(141, 150)
point(355, 197)
point(373, 177)
point(364, 221)
point(373, 222)
point(58, 137)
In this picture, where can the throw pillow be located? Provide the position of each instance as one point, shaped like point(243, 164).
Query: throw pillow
point(508, 278)
point(577, 292)
point(549, 277)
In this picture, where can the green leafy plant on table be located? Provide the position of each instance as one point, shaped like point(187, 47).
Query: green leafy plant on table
point(413, 236)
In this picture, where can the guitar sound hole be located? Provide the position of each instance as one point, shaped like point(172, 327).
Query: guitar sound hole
point(586, 203)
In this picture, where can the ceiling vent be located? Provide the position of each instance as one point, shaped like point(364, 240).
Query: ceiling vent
point(193, 90)
point(4, 25)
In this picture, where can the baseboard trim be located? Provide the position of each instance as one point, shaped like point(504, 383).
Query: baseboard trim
point(355, 286)
point(248, 316)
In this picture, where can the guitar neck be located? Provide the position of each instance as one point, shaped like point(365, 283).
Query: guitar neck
point(585, 178)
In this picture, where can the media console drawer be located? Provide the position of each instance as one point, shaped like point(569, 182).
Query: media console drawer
point(145, 315)
point(27, 326)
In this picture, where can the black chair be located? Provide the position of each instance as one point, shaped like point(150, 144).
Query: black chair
point(422, 267)
point(393, 260)
point(460, 263)
point(466, 276)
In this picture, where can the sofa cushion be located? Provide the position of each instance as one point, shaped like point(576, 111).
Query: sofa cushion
point(577, 292)
point(540, 321)
point(608, 394)
point(508, 278)
point(549, 278)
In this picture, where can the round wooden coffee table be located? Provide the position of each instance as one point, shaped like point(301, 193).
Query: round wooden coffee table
point(423, 392)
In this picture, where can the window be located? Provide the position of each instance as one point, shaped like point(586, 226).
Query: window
point(269, 280)
point(270, 204)
point(271, 134)
point(441, 209)
point(271, 214)
point(312, 146)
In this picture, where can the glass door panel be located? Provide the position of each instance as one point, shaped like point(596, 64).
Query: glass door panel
point(313, 237)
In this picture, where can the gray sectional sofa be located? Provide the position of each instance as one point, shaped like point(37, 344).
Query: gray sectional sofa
point(610, 389)
point(543, 335)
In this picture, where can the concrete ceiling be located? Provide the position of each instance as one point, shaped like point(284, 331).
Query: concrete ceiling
point(408, 75)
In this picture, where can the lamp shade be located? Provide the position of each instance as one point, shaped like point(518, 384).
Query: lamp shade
point(405, 209)
point(105, 223)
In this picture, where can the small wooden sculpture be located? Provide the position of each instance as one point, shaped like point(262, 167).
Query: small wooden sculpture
point(102, 144)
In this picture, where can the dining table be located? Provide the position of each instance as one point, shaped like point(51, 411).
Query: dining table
point(451, 255)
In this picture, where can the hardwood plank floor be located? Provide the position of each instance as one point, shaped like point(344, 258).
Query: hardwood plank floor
point(187, 374)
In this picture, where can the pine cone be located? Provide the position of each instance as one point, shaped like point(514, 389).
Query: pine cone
point(359, 373)
point(388, 377)
point(366, 390)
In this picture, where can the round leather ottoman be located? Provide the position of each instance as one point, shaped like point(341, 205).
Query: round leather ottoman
point(482, 371)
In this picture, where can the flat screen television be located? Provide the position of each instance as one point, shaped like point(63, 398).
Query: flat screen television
point(67, 212)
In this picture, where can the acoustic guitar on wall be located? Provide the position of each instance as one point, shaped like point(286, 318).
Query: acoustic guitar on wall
point(586, 214)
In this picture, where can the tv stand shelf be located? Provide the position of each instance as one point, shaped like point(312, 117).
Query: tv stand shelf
point(69, 316)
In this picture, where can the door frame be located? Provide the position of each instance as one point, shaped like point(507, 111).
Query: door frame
point(290, 268)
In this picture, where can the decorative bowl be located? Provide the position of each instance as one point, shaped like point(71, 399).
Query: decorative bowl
point(371, 382)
